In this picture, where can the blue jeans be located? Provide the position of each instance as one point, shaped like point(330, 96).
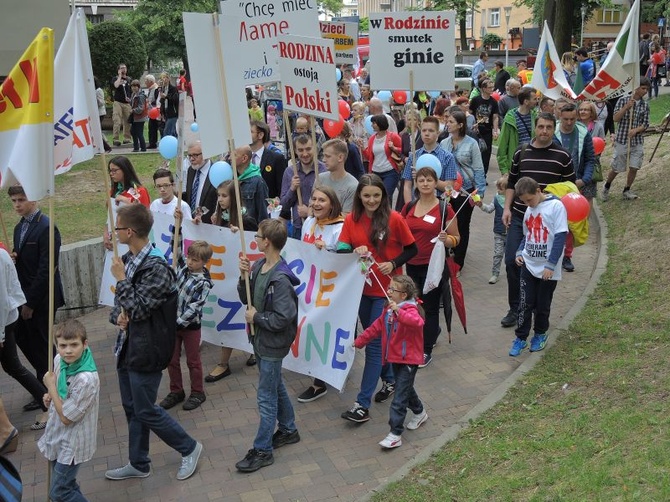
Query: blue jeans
point(370, 308)
point(405, 397)
point(390, 179)
point(64, 486)
point(170, 127)
point(536, 296)
point(274, 405)
point(514, 238)
point(138, 396)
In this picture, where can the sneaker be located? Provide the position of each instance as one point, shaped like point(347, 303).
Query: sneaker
point(509, 320)
point(538, 342)
point(568, 265)
point(606, 194)
point(254, 460)
point(172, 400)
point(126, 472)
point(189, 463)
point(391, 441)
point(312, 394)
point(356, 414)
point(117, 143)
point(194, 401)
point(281, 438)
point(385, 392)
point(518, 347)
point(427, 358)
point(493, 279)
point(417, 420)
point(630, 195)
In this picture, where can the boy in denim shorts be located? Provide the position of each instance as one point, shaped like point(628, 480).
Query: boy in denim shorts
point(629, 135)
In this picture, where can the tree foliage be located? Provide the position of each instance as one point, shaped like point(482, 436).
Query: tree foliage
point(491, 39)
point(461, 7)
point(114, 42)
point(364, 24)
point(332, 7)
point(162, 26)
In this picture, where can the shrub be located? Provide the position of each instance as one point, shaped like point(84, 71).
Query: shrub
point(114, 42)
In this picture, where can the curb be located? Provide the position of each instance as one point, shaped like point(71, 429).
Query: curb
point(453, 431)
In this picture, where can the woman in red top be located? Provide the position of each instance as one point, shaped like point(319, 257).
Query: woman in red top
point(373, 227)
point(384, 153)
point(424, 219)
point(125, 185)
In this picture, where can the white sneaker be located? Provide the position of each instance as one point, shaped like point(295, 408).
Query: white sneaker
point(416, 420)
point(493, 279)
point(629, 195)
point(391, 441)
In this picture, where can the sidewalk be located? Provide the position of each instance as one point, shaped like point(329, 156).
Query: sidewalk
point(335, 460)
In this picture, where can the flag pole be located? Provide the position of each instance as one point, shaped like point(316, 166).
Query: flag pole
point(178, 175)
point(412, 140)
point(233, 157)
point(315, 150)
point(4, 229)
point(289, 138)
point(108, 203)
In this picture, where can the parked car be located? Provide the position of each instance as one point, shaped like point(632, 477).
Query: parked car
point(463, 76)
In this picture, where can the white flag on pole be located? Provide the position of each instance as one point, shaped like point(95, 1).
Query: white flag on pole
point(77, 133)
point(621, 70)
point(548, 76)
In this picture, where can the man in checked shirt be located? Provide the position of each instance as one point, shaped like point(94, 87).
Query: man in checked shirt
point(629, 135)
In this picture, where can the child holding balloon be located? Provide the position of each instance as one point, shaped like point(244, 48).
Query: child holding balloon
point(545, 225)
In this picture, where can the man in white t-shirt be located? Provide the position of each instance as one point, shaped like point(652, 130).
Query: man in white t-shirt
point(335, 153)
point(167, 202)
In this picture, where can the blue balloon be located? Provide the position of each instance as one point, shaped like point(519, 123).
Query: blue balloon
point(168, 147)
point(219, 172)
point(431, 161)
point(384, 96)
point(338, 74)
point(434, 94)
point(409, 97)
point(195, 127)
point(368, 125)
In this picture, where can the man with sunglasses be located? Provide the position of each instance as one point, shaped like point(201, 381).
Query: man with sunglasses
point(199, 193)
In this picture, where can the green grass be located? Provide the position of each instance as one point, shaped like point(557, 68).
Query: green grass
point(81, 195)
point(590, 421)
point(658, 108)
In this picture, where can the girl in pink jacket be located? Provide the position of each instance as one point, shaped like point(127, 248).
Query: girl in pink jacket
point(401, 328)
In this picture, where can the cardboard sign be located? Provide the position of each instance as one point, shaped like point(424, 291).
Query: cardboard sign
point(345, 38)
point(308, 76)
point(423, 42)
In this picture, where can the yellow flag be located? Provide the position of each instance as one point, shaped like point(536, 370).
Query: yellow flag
point(26, 120)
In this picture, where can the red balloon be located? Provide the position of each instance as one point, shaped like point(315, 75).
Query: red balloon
point(154, 113)
point(345, 110)
point(598, 145)
point(458, 184)
point(400, 97)
point(576, 206)
point(332, 127)
point(496, 95)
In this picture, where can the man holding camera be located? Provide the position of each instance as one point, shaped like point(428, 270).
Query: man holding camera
point(121, 108)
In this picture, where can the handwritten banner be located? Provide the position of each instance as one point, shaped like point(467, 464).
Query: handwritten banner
point(330, 290)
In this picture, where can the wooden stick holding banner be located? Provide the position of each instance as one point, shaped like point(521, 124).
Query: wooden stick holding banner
point(665, 123)
point(108, 204)
point(291, 146)
point(233, 157)
point(4, 230)
point(315, 151)
point(412, 139)
point(178, 175)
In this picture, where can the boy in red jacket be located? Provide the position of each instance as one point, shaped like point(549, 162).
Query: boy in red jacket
point(401, 329)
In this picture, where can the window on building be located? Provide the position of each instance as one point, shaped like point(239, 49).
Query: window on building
point(611, 16)
point(354, 12)
point(468, 20)
point(494, 17)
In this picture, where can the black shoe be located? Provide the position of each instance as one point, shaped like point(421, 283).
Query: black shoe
point(32, 405)
point(254, 460)
point(252, 360)
point(385, 392)
point(172, 400)
point(215, 378)
point(194, 401)
point(356, 414)
point(567, 264)
point(509, 320)
point(312, 394)
point(281, 438)
point(117, 143)
point(135, 150)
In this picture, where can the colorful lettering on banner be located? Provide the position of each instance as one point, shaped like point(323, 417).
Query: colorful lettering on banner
point(329, 292)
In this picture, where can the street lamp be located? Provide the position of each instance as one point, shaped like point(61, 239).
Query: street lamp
point(581, 40)
point(508, 11)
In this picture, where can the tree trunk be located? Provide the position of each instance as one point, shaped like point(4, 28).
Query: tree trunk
point(464, 33)
point(549, 15)
point(562, 31)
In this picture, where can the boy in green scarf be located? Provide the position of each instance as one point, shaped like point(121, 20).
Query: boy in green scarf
point(73, 392)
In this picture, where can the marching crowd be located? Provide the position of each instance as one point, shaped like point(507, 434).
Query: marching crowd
point(402, 175)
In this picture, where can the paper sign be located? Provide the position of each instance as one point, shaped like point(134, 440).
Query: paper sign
point(345, 38)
